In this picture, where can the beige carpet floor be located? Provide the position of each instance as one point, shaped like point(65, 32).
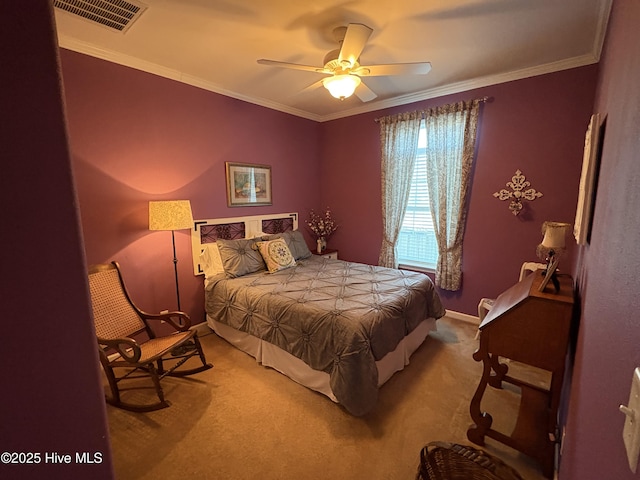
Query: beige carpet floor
point(241, 420)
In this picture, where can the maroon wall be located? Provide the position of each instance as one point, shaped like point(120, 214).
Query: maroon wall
point(137, 137)
point(536, 125)
point(608, 344)
point(52, 400)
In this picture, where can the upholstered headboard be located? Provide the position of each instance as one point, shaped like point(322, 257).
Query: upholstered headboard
point(209, 230)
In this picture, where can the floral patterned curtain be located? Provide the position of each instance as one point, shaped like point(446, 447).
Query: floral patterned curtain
point(451, 135)
point(399, 140)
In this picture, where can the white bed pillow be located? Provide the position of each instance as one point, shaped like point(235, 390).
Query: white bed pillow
point(210, 260)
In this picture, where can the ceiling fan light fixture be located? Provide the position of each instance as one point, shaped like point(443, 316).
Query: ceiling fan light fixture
point(341, 86)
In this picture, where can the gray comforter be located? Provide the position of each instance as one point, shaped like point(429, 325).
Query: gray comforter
point(338, 317)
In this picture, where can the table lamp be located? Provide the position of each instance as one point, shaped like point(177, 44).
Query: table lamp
point(552, 248)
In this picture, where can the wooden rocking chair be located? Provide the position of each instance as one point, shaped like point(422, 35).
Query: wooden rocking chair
point(126, 340)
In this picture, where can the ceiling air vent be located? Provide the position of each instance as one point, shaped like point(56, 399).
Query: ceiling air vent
point(114, 14)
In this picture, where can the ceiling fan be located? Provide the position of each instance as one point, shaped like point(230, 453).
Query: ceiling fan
point(343, 67)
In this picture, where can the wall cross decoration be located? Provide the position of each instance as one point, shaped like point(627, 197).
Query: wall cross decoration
point(518, 184)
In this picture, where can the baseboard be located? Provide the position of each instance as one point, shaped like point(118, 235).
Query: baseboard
point(463, 317)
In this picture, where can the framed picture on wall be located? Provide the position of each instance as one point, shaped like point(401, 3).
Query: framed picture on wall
point(248, 184)
point(590, 160)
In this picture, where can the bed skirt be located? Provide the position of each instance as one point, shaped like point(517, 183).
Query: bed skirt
point(272, 356)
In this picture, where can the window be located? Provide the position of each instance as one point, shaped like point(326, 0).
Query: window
point(441, 153)
point(417, 245)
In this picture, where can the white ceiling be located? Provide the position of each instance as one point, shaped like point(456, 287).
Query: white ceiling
point(214, 44)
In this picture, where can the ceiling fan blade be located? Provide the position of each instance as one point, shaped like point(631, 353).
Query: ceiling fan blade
point(313, 86)
point(295, 66)
point(420, 68)
point(364, 93)
point(354, 41)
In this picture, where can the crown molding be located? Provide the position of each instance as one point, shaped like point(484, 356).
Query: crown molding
point(153, 68)
point(468, 85)
point(132, 62)
point(601, 31)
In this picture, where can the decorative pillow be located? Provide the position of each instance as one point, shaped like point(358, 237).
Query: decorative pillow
point(276, 254)
point(295, 242)
point(239, 257)
point(210, 260)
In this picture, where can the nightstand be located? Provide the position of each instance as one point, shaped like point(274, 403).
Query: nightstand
point(328, 253)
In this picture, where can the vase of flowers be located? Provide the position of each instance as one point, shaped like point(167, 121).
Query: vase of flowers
point(322, 226)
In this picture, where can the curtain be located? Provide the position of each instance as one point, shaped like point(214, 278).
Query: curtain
point(451, 134)
point(399, 140)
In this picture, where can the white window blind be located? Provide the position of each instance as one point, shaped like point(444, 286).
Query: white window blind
point(417, 245)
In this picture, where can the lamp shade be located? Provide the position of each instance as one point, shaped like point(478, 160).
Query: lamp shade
point(553, 241)
point(170, 215)
point(554, 234)
point(341, 86)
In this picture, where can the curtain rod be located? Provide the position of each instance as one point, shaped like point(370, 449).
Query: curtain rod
point(482, 99)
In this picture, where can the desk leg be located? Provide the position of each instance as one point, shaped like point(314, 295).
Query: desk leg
point(499, 369)
point(482, 420)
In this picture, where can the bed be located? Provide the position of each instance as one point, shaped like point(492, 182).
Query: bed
point(340, 328)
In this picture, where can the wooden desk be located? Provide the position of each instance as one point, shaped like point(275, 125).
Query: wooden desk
point(532, 328)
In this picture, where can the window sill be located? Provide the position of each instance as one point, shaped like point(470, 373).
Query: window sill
point(415, 268)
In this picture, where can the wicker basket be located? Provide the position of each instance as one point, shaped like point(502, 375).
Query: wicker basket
point(450, 461)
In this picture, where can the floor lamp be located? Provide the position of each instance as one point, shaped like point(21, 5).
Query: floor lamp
point(171, 215)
